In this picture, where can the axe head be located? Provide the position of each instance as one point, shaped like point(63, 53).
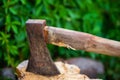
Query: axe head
point(40, 61)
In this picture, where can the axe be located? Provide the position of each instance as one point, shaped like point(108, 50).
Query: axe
point(39, 35)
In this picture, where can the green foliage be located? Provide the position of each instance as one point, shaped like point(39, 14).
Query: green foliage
point(99, 17)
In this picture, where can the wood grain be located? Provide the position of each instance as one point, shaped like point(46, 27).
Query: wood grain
point(81, 41)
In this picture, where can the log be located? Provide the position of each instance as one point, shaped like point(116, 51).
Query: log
point(67, 72)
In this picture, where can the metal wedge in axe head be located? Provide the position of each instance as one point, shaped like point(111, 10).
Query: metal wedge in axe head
point(38, 34)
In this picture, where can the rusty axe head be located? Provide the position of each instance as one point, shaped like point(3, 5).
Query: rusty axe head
point(40, 61)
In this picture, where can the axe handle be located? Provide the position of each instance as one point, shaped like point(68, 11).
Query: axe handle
point(81, 41)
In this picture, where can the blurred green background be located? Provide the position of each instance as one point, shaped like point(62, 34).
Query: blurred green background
point(98, 17)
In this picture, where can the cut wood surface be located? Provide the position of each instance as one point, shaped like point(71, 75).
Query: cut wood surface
point(67, 72)
point(81, 41)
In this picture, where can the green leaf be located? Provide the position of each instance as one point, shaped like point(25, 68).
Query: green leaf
point(38, 10)
point(22, 20)
point(4, 38)
point(50, 2)
point(16, 23)
point(8, 19)
point(13, 10)
point(38, 2)
point(8, 28)
point(15, 29)
point(24, 1)
point(20, 36)
point(13, 50)
point(9, 60)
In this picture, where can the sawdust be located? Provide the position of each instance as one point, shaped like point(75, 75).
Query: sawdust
point(68, 72)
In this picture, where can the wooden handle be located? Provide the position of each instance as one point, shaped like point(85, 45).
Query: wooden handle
point(81, 41)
